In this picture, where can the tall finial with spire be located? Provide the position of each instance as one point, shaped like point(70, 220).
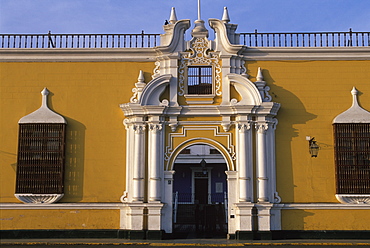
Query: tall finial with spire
point(199, 10)
point(199, 30)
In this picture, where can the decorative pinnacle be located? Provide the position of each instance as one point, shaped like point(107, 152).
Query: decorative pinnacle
point(45, 92)
point(354, 93)
point(173, 17)
point(140, 81)
point(259, 74)
point(141, 78)
point(226, 17)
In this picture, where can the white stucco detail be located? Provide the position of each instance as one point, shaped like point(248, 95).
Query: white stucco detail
point(246, 89)
point(355, 114)
point(44, 114)
point(353, 199)
point(154, 89)
point(39, 198)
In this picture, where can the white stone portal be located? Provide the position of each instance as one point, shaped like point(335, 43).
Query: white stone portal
point(156, 120)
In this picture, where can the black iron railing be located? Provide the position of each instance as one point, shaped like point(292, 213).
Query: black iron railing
point(79, 40)
point(255, 39)
point(306, 39)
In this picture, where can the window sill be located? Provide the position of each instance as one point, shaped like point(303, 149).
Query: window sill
point(353, 199)
point(199, 99)
point(39, 198)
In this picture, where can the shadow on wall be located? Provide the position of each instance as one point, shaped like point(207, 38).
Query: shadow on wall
point(74, 164)
point(75, 158)
point(295, 219)
point(292, 112)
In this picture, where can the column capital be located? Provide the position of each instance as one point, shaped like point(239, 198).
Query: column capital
point(155, 127)
point(262, 127)
point(244, 126)
point(139, 128)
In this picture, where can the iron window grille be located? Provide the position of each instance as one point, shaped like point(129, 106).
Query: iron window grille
point(200, 80)
point(352, 157)
point(41, 155)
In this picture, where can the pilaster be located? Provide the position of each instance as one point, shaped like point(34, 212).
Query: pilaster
point(233, 195)
point(245, 161)
point(138, 162)
point(167, 199)
point(262, 175)
point(155, 163)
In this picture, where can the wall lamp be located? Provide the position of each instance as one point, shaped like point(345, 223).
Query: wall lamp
point(313, 148)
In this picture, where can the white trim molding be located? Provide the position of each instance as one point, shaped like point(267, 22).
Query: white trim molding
point(41, 206)
point(322, 206)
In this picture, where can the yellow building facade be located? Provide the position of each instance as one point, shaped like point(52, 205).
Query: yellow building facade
point(131, 113)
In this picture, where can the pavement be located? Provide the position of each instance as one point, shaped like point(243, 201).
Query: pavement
point(185, 242)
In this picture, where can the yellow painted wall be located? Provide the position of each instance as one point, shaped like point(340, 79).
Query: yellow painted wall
point(60, 219)
point(88, 96)
point(325, 219)
point(311, 94)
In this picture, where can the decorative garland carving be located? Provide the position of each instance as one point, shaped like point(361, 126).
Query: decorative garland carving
point(200, 54)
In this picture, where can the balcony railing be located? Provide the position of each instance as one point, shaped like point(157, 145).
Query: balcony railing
point(79, 40)
point(255, 39)
point(309, 39)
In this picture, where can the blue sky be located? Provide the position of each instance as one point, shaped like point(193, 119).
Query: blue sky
point(132, 16)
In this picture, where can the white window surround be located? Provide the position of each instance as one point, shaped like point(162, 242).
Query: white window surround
point(355, 114)
point(43, 115)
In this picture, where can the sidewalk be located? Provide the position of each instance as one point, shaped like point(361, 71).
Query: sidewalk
point(179, 242)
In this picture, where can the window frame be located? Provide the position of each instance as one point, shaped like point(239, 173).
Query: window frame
point(352, 157)
point(41, 158)
point(209, 90)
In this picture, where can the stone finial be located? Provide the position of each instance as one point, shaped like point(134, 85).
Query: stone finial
point(45, 92)
point(354, 93)
point(261, 85)
point(259, 74)
point(173, 17)
point(139, 87)
point(140, 81)
point(225, 16)
point(141, 77)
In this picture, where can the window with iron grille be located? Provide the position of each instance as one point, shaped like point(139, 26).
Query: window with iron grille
point(352, 157)
point(41, 152)
point(200, 80)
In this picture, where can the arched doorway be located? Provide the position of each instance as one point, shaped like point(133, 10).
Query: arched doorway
point(200, 193)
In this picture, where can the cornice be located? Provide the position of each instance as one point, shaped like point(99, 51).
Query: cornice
point(307, 53)
point(150, 54)
point(61, 206)
point(77, 55)
point(323, 206)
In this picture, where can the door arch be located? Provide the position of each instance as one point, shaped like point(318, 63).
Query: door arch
point(200, 192)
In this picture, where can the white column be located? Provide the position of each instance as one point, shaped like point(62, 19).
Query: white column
point(167, 210)
point(262, 176)
point(154, 162)
point(245, 162)
point(138, 163)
